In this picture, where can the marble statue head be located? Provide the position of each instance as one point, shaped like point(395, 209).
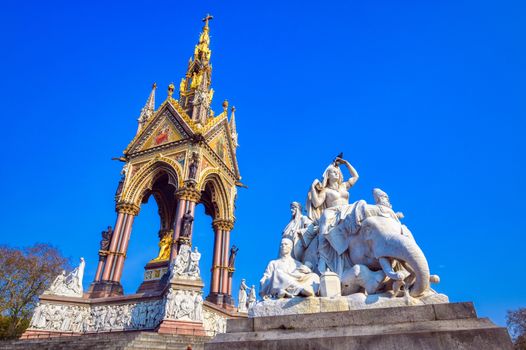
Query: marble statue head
point(332, 174)
point(285, 247)
point(381, 198)
point(295, 208)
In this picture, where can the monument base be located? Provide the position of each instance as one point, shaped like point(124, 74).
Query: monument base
point(223, 300)
point(181, 327)
point(156, 276)
point(357, 301)
point(103, 289)
point(439, 326)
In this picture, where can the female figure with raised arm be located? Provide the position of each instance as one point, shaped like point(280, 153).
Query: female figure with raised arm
point(328, 202)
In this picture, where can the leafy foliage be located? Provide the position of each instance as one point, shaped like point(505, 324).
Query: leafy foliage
point(516, 321)
point(24, 275)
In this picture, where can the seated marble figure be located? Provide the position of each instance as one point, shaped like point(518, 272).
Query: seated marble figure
point(287, 277)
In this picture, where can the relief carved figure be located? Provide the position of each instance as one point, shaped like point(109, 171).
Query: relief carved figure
point(213, 322)
point(184, 305)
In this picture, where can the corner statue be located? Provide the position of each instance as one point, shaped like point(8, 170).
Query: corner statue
point(286, 277)
point(364, 245)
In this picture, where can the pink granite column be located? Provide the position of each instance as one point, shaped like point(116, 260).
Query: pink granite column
point(230, 276)
point(123, 248)
point(226, 247)
point(115, 238)
point(191, 207)
point(216, 262)
point(99, 268)
point(181, 208)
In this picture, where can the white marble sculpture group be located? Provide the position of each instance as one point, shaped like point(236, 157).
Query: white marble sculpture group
point(186, 263)
point(68, 284)
point(364, 246)
point(246, 297)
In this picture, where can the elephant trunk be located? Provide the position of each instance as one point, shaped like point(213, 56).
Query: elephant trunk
point(409, 252)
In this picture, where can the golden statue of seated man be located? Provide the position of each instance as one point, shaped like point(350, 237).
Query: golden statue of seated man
point(164, 247)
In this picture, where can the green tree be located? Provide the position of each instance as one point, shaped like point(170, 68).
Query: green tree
point(24, 275)
point(516, 321)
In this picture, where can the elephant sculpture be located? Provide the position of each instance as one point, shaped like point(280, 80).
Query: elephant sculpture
point(383, 243)
point(366, 245)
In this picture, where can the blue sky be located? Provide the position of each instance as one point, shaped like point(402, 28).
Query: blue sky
point(425, 99)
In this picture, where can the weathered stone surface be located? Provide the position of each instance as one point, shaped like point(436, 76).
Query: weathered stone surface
point(454, 311)
point(447, 326)
point(290, 306)
point(333, 304)
point(240, 325)
point(357, 301)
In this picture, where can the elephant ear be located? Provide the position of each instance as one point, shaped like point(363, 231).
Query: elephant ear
point(406, 232)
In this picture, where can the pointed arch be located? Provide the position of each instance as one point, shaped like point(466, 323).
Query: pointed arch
point(215, 195)
point(145, 178)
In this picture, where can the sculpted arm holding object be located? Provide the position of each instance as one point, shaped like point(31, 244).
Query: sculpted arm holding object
point(354, 174)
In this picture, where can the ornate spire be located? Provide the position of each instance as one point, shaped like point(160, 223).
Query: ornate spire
point(195, 94)
point(148, 109)
point(233, 130)
point(202, 49)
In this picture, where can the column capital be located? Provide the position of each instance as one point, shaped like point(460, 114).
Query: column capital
point(127, 208)
point(190, 194)
point(222, 224)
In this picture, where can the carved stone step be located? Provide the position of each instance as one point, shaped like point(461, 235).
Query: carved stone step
point(110, 341)
point(440, 326)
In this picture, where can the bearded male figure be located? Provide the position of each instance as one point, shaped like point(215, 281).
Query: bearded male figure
point(286, 277)
point(301, 231)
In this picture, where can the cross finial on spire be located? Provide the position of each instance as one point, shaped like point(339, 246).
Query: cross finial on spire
point(207, 18)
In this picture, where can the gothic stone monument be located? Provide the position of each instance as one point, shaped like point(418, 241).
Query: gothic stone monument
point(351, 276)
point(182, 155)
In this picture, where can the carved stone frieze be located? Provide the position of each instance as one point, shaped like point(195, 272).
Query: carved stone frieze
point(213, 322)
point(184, 305)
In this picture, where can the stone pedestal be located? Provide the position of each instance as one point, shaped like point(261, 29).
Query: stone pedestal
point(181, 327)
point(357, 301)
point(103, 289)
point(155, 276)
point(185, 291)
point(223, 300)
point(439, 326)
point(330, 285)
